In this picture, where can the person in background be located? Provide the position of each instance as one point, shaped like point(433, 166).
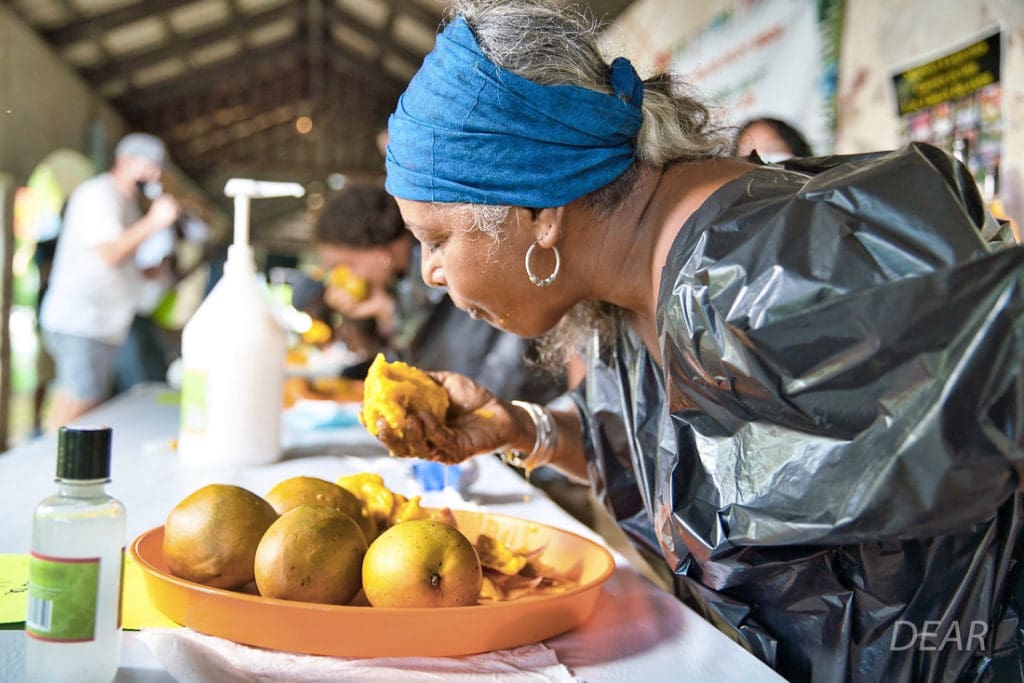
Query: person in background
point(773, 140)
point(94, 283)
point(45, 369)
point(145, 354)
point(805, 381)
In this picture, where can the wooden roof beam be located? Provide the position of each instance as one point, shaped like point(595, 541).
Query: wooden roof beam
point(289, 50)
point(351, 65)
point(102, 23)
point(236, 135)
point(343, 16)
point(264, 95)
point(417, 12)
point(272, 147)
point(125, 64)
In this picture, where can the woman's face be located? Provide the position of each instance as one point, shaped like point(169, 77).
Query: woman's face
point(143, 170)
point(763, 138)
point(485, 277)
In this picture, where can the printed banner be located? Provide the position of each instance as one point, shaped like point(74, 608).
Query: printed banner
point(775, 58)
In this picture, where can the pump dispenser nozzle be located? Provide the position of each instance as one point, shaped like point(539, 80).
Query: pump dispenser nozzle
point(243, 190)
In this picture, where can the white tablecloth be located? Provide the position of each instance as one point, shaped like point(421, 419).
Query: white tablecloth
point(637, 633)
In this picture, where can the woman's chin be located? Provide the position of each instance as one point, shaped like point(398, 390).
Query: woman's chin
point(511, 324)
point(504, 324)
point(529, 331)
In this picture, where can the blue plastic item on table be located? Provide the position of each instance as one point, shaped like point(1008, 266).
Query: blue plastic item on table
point(322, 415)
point(436, 476)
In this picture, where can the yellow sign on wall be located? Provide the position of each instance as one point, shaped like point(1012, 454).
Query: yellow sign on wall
point(950, 77)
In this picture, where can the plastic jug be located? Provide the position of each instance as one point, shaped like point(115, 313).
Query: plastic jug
point(233, 357)
point(232, 353)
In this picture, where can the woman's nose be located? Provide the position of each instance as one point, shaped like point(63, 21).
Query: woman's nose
point(433, 272)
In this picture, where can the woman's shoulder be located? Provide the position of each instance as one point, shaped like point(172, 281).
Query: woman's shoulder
point(919, 187)
point(917, 194)
point(814, 229)
point(912, 153)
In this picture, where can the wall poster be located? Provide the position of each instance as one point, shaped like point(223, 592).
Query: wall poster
point(955, 102)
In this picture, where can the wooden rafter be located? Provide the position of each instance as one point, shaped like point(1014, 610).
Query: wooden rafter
point(345, 17)
point(278, 145)
point(108, 21)
point(125, 64)
point(417, 12)
point(280, 118)
point(344, 62)
point(257, 97)
point(284, 51)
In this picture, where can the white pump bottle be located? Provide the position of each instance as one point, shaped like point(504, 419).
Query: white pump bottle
point(233, 355)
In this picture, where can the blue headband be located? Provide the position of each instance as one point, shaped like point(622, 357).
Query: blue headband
point(466, 130)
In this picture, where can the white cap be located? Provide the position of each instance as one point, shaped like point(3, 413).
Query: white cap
point(142, 146)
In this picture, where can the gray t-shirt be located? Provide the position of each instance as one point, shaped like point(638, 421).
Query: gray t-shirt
point(87, 297)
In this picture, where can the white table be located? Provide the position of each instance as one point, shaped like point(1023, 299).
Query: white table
point(637, 633)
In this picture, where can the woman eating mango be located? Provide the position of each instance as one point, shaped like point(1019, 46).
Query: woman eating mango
point(804, 380)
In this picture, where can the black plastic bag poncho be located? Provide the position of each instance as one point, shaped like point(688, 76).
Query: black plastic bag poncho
point(828, 456)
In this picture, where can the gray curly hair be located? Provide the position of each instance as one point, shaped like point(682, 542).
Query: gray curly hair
point(548, 42)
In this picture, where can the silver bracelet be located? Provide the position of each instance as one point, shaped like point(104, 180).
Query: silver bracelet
point(546, 442)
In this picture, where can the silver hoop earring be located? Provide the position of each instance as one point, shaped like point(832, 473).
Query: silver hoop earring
point(549, 280)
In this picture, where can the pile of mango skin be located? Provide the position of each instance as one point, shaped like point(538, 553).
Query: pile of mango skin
point(510, 574)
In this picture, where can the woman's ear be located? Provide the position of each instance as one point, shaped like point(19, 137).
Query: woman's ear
point(547, 225)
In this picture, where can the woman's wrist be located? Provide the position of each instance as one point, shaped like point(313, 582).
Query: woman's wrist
point(523, 431)
point(541, 423)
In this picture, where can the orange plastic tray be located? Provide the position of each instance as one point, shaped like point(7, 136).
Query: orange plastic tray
point(355, 631)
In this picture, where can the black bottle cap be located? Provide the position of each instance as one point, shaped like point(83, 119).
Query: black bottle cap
point(83, 453)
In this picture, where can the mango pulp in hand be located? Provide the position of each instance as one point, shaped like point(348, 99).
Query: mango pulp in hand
point(392, 390)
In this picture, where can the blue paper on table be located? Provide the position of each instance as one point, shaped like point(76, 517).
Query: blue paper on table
point(435, 476)
point(322, 415)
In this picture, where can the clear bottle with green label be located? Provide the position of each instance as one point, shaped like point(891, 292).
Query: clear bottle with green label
point(73, 622)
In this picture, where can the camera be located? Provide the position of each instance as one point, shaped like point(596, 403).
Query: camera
point(161, 244)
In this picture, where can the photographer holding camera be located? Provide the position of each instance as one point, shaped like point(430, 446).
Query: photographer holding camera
point(95, 281)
